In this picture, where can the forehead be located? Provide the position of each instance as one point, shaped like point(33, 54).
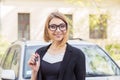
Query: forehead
point(56, 21)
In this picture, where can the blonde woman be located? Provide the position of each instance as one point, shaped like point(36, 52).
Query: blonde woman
point(59, 60)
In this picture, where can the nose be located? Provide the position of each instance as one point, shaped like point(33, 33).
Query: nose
point(58, 29)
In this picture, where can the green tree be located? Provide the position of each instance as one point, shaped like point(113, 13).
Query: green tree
point(114, 50)
point(3, 46)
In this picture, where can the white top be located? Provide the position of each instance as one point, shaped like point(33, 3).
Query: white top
point(53, 58)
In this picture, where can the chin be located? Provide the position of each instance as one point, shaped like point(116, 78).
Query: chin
point(58, 39)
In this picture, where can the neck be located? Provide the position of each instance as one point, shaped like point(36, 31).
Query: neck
point(55, 45)
point(55, 49)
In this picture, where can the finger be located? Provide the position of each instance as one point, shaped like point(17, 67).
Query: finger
point(37, 55)
point(34, 54)
point(31, 61)
point(38, 59)
point(33, 57)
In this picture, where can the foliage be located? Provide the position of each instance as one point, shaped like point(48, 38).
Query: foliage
point(114, 50)
point(3, 45)
point(98, 26)
point(85, 2)
point(69, 20)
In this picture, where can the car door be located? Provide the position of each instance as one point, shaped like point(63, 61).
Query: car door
point(16, 60)
point(12, 60)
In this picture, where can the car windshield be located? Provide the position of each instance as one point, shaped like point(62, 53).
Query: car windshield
point(97, 61)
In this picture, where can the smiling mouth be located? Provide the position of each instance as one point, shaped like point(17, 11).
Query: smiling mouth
point(57, 35)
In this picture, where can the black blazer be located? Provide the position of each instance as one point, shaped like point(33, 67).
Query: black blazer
point(73, 64)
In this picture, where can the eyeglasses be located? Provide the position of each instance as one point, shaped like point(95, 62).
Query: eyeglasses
point(62, 27)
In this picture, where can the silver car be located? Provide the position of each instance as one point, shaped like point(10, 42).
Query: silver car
point(99, 65)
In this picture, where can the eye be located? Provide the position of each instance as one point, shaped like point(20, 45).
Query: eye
point(52, 27)
point(62, 26)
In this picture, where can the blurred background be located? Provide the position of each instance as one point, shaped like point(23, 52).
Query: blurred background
point(96, 21)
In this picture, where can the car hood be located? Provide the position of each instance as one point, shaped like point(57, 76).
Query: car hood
point(104, 78)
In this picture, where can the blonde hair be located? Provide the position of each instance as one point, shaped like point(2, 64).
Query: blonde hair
point(50, 17)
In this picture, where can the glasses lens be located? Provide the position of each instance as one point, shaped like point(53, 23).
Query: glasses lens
point(52, 27)
point(62, 27)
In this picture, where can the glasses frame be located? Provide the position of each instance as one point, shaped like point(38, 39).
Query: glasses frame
point(58, 26)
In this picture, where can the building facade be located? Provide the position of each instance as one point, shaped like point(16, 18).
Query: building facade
point(94, 21)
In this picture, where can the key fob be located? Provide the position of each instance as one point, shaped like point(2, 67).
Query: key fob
point(36, 59)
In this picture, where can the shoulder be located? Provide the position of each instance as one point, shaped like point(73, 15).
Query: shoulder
point(76, 51)
point(42, 49)
point(77, 55)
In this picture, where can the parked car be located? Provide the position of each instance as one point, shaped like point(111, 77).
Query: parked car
point(99, 65)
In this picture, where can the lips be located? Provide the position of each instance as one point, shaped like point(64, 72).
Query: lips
point(58, 35)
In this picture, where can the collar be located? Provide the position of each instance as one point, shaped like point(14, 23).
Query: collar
point(68, 48)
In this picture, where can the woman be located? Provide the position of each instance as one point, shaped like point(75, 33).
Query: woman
point(59, 60)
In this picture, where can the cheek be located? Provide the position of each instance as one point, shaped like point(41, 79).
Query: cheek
point(64, 32)
point(50, 34)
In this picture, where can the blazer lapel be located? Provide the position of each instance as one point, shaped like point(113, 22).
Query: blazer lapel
point(44, 50)
point(65, 62)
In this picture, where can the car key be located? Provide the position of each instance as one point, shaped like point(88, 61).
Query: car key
point(36, 59)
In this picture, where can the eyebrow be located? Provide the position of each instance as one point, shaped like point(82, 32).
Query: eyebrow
point(56, 24)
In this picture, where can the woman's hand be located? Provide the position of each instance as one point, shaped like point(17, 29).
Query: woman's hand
point(34, 62)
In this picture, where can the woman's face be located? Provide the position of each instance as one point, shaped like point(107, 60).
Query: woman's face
point(57, 29)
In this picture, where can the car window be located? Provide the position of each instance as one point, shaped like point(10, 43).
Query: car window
point(4, 56)
point(3, 59)
point(8, 59)
point(16, 60)
point(29, 51)
point(97, 62)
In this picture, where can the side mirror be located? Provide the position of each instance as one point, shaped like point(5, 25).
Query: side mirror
point(8, 75)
